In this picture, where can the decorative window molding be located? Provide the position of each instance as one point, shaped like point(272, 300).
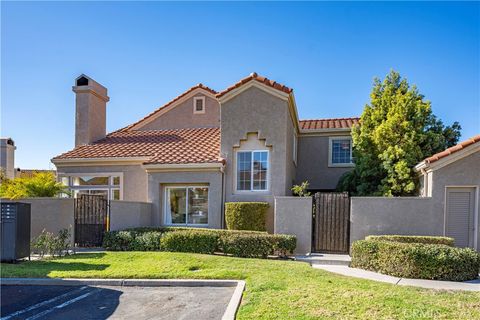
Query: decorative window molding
point(340, 152)
point(199, 105)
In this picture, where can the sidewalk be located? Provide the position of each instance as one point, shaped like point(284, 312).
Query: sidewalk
point(473, 285)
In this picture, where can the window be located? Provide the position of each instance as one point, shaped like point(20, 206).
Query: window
point(108, 185)
point(340, 152)
point(199, 105)
point(294, 147)
point(252, 170)
point(186, 205)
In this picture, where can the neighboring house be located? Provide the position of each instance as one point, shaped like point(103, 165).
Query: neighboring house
point(204, 148)
point(452, 179)
point(7, 157)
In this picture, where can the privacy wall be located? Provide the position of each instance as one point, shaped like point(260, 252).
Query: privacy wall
point(403, 216)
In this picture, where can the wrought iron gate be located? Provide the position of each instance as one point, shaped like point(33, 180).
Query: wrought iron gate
point(91, 220)
point(331, 222)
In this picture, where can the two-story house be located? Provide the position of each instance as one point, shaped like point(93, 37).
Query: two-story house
point(204, 148)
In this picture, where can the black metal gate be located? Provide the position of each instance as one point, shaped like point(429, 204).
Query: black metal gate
point(91, 220)
point(331, 222)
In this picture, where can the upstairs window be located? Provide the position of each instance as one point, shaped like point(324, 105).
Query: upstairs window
point(252, 170)
point(198, 105)
point(340, 152)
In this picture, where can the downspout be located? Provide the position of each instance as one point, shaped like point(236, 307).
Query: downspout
point(222, 170)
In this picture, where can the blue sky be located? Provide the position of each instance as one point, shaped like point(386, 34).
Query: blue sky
point(147, 53)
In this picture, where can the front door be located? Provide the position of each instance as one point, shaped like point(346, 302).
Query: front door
point(460, 215)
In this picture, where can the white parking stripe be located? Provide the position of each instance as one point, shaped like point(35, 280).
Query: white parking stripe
point(41, 304)
point(41, 314)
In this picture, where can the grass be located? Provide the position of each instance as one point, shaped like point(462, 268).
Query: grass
point(275, 289)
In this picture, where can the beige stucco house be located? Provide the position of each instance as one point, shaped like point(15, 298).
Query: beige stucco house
point(204, 148)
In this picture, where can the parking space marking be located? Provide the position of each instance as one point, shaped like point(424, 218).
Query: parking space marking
point(69, 302)
point(43, 303)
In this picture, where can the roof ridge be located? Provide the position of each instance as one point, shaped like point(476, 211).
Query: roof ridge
point(198, 86)
point(256, 77)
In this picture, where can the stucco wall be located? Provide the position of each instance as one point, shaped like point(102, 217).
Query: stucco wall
point(134, 178)
point(293, 215)
point(313, 163)
point(463, 172)
point(156, 193)
point(182, 116)
point(130, 214)
point(402, 216)
point(51, 214)
point(255, 110)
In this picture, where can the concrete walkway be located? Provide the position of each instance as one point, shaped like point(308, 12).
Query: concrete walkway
point(473, 285)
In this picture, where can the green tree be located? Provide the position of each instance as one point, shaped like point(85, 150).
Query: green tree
point(397, 130)
point(42, 184)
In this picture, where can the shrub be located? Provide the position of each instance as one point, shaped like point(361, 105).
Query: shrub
point(247, 245)
point(119, 240)
point(246, 215)
point(200, 240)
point(416, 260)
point(190, 241)
point(48, 243)
point(414, 239)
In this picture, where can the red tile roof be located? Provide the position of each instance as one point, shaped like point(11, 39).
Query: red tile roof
point(334, 123)
point(455, 148)
point(180, 146)
point(170, 103)
point(256, 77)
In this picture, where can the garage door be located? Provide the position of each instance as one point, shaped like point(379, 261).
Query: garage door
point(460, 217)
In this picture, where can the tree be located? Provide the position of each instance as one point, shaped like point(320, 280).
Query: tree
point(397, 130)
point(42, 184)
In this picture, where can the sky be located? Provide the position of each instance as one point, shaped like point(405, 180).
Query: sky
point(147, 53)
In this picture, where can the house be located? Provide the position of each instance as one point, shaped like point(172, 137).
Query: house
point(452, 179)
point(7, 157)
point(204, 148)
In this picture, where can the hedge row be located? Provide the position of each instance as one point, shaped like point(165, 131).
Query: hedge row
point(416, 260)
point(415, 239)
point(250, 244)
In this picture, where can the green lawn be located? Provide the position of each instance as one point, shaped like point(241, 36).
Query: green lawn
point(275, 289)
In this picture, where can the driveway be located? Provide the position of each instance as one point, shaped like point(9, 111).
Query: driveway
point(108, 302)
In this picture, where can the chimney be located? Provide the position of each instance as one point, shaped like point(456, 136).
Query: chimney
point(90, 110)
point(7, 157)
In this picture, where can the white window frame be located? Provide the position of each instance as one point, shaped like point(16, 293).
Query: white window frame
point(167, 202)
point(267, 185)
point(195, 99)
point(330, 152)
point(110, 187)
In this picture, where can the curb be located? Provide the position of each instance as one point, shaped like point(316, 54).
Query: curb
point(230, 312)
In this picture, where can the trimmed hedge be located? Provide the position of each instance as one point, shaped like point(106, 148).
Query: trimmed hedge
point(415, 239)
point(246, 215)
point(190, 241)
point(200, 240)
point(416, 260)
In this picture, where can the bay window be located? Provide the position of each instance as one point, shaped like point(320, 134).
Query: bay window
point(186, 205)
point(252, 170)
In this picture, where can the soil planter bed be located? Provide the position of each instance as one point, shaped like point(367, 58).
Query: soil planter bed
point(428, 258)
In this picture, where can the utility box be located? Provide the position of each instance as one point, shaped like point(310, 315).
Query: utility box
point(14, 231)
